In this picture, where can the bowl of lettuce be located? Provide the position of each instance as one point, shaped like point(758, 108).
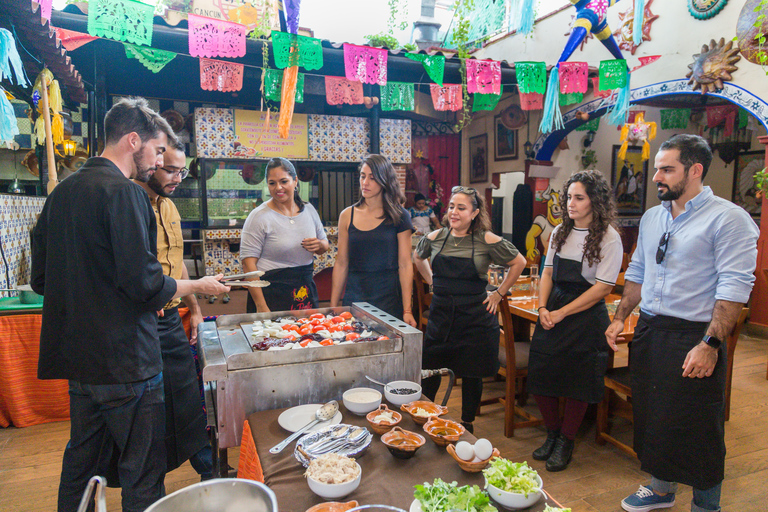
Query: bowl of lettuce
point(513, 485)
point(442, 496)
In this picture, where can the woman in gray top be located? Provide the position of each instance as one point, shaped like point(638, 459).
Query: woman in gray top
point(280, 237)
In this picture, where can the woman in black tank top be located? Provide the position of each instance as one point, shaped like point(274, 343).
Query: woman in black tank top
point(373, 263)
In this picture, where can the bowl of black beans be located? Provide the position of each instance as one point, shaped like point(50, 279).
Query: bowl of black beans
point(401, 392)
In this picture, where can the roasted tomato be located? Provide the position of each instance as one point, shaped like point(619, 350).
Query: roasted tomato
point(291, 327)
point(347, 327)
point(346, 315)
point(304, 343)
point(382, 338)
point(320, 327)
point(303, 320)
point(326, 342)
point(334, 328)
point(337, 319)
point(352, 336)
point(318, 316)
point(305, 329)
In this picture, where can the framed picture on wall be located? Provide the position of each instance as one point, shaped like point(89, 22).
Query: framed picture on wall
point(478, 158)
point(628, 179)
point(746, 165)
point(506, 142)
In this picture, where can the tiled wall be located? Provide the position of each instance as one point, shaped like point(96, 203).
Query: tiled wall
point(18, 215)
point(24, 139)
point(220, 260)
point(331, 138)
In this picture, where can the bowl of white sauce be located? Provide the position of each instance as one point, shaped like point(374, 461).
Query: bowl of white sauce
point(361, 401)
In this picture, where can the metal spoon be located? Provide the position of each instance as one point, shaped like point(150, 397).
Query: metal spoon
point(352, 440)
point(379, 383)
point(324, 413)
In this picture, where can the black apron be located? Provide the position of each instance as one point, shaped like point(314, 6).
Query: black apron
point(461, 334)
point(289, 289)
point(679, 422)
point(570, 359)
point(185, 421)
point(382, 289)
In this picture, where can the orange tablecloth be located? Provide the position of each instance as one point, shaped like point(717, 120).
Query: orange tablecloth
point(24, 399)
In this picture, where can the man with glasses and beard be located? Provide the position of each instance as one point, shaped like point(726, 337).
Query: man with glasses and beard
point(691, 274)
point(93, 258)
point(185, 423)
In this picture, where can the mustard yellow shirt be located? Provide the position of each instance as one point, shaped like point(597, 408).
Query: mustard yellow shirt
point(170, 244)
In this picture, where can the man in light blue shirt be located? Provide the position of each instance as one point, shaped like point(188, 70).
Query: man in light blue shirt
point(691, 273)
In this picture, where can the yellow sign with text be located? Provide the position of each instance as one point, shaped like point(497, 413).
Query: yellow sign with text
point(255, 140)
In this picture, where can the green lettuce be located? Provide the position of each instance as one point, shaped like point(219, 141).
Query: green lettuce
point(442, 497)
point(555, 509)
point(517, 477)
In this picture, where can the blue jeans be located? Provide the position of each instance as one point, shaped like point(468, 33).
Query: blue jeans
point(133, 417)
point(704, 500)
point(202, 461)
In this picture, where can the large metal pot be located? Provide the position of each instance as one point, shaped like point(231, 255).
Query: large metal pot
point(26, 295)
point(219, 495)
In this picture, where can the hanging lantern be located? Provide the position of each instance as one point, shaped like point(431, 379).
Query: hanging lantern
point(70, 147)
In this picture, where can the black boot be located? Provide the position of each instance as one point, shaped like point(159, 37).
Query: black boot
point(545, 450)
point(468, 425)
point(561, 455)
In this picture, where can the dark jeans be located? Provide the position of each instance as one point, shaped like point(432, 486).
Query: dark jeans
point(133, 415)
point(202, 461)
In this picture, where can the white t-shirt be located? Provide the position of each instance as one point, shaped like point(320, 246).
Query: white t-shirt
point(611, 253)
point(270, 237)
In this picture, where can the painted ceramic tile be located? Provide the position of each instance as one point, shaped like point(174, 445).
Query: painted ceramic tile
point(395, 139)
point(214, 133)
point(338, 138)
point(18, 215)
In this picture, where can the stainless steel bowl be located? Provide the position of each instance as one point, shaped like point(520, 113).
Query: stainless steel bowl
point(220, 495)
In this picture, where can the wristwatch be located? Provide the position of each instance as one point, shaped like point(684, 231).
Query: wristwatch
point(712, 341)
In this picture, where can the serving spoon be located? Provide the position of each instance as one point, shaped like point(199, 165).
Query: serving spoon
point(324, 413)
point(379, 383)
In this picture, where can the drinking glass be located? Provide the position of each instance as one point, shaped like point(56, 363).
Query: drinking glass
point(534, 270)
point(535, 290)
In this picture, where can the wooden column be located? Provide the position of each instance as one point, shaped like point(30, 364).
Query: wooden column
point(759, 302)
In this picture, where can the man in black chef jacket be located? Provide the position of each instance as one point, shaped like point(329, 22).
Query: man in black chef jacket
point(93, 258)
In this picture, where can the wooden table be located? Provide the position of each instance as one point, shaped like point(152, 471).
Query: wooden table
point(386, 480)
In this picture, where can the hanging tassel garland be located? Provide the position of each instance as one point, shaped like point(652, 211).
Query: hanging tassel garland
point(287, 100)
point(637, 27)
point(618, 113)
point(9, 58)
point(9, 127)
point(552, 115)
point(527, 17)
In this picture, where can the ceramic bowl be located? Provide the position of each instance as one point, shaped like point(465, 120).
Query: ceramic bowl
point(361, 401)
point(433, 410)
point(332, 491)
point(402, 443)
point(333, 506)
point(443, 432)
point(399, 400)
point(382, 427)
point(513, 500)
point(471, 466)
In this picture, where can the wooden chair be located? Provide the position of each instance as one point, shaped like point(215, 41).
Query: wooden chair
point(617, 384)
point(423, 299)
point(514, 368)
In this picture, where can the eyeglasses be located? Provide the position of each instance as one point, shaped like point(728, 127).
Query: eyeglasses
point(182, 173)
point(662, 250)
point(463, 190)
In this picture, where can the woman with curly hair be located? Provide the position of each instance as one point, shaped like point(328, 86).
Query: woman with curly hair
point(569, 355)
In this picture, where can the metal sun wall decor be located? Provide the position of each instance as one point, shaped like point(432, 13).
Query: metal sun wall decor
point(624, 35)
point(713, 66)
point(705, 9)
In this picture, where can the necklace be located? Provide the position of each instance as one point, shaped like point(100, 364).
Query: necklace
point(458, 244)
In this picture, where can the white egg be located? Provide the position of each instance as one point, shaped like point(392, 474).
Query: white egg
point(483, 449)
point(465, 451)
